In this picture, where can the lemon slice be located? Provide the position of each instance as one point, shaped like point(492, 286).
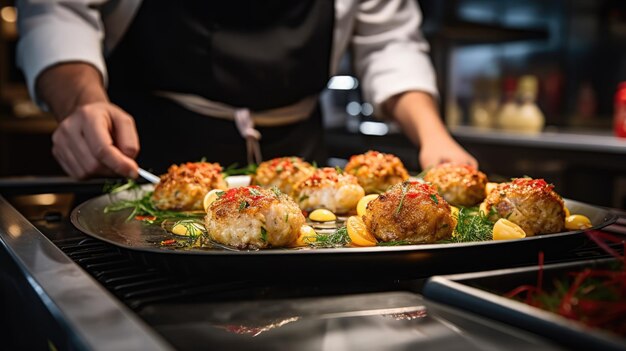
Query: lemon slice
point(576, 222)
point(306, 236)
point(361, 206)
point(507, 230)
point(210, 197)
point(188, 228)
point(359, 235)
point(322, 215)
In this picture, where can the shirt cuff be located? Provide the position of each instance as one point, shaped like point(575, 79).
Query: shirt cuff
point(54, 43)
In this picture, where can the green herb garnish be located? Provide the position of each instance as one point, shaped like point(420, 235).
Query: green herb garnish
point(233, 170)
point(254, 192)
point(337, 238)
point(423, 173)
point(117, 187)
point(472, 225)
point(405, 189)
point(338, 170)
point(303, 197)
point(192, 226)
point(243, 205)
point(264, 234)
point(434, 198)
point(144, 206)
point(276, 191)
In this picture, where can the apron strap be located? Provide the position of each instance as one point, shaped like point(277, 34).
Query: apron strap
point(245, 126)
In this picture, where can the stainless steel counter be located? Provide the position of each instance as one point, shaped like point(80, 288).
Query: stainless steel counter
point(93, 318)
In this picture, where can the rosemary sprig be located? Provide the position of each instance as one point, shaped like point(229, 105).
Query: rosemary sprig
point(337, 238)
point(421, 174)
point(144, 206)
point(233, 170)
point(117, 187)
point(405, 189)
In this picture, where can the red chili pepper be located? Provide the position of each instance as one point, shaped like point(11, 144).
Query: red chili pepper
point(168, 242)
point(540, 273)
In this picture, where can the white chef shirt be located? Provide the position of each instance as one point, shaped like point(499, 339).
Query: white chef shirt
point(389, 53)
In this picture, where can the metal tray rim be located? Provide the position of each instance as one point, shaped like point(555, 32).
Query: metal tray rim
point(75, 217)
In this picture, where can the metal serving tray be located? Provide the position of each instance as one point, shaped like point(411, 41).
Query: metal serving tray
point(482, 293)
point(140, 238)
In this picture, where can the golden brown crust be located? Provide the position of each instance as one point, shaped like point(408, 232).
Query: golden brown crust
point(252, 217)
point(412, 212)
point(184, 186)
point(376, 171)
point(530, 203)
point(460, 185)
point(282, 172)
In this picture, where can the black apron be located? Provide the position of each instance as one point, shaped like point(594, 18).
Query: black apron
point(246, 53)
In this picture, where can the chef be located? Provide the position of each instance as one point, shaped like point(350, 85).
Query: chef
point(231, 81)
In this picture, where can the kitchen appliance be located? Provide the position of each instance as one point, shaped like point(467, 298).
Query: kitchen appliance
point(62, 289)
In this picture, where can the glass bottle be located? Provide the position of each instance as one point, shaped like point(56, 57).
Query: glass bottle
point(619, 115)
point(529, 118)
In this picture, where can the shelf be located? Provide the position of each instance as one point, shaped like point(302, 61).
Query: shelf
point(462, 32)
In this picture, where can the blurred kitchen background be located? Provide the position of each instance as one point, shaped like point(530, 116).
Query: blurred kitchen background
point(527, 86)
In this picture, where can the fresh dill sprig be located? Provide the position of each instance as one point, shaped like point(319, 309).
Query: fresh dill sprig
point(472, 225)
point(117, 187)
point(233, 170)
point(337, 238)
point(423, 173)
point(144, 206)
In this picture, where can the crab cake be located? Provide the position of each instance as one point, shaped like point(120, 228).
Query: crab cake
point(460, 185)
point(183, 187)
point(253, 218)
point(327, 188)
point(377, 171)
point(530, 203)
point(411, 211)
point(282, 172)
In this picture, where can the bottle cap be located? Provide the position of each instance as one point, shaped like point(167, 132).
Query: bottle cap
point(527, 86)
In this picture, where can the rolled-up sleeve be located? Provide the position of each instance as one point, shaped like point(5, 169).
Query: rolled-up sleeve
point(390, 54)
point(53, 32)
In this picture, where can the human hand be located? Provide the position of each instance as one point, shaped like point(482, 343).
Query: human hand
point(444, 150)
point(97, 139)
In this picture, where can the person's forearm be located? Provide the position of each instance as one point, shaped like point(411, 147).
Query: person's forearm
point(418, 116)
point(65, 87)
